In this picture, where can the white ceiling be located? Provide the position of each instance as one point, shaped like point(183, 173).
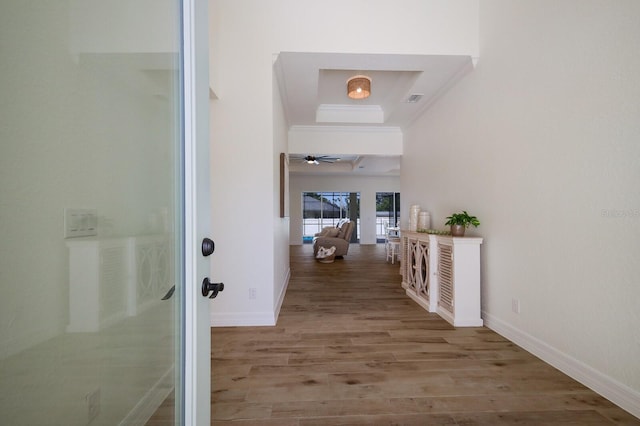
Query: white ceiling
point(313, 88)
point(361, 165)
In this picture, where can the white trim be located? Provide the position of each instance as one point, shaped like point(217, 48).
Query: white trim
point(197, 347)
point(459, 322)
point(346, 129)
point(190, 377)
point(245, 319)
point(151, 401)
point(251, 319)
point(618, 393)
point(280, 300)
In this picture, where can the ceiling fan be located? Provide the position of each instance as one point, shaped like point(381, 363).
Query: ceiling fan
point(312, 159)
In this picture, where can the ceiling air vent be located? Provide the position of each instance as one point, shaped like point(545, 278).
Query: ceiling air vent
point(412, 99)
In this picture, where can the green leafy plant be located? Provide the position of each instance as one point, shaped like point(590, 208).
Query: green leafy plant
point(463, 219)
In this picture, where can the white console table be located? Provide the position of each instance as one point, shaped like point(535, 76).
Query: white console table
point(442, 274)
point(113, 278)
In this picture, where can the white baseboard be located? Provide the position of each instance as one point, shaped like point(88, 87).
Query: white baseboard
point(250, 319)
point(616, 392)
point(242, 319)
point(280, 300)
point(457, 321)
point(151, 401)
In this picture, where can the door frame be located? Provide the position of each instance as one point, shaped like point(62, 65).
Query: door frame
point(196, 369)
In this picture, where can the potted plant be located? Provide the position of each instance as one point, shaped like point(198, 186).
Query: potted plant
point(461, 221)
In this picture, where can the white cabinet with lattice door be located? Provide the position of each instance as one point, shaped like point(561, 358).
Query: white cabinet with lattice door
point(114, 278)
point(459, 280)
point(442, 274)
point(419, 266)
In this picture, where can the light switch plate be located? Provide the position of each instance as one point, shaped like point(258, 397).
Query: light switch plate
point(80, 222)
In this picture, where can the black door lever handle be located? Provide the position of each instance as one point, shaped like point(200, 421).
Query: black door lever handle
point(169, 293)
point(208, 286)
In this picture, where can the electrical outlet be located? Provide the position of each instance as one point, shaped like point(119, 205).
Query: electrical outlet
point(252, 293)
point(515, 305)
point(93, 403)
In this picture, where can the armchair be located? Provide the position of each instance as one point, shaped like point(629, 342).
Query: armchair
point(329, 237)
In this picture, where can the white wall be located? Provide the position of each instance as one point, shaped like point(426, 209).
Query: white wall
point(367, 186)
point(541, 143)
point(245, 35)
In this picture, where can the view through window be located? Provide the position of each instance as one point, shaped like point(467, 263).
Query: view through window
point(387, 212)
point(320, 209)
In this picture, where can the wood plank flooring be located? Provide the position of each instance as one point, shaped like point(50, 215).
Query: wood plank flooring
point(350, 348)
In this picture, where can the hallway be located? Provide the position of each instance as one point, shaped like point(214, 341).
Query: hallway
point(350, 348)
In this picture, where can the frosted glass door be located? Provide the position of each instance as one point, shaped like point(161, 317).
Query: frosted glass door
point(90, 183)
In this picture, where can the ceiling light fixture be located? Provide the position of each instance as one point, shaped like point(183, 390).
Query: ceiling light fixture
point(359, 87)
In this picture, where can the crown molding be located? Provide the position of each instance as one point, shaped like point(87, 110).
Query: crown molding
point(346, 129)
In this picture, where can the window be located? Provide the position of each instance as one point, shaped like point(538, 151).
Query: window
point(320, 209)
point(387, 212)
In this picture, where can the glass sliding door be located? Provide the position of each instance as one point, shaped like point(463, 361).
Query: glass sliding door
point(387, 212)
point(320, 209)
point(90, 212)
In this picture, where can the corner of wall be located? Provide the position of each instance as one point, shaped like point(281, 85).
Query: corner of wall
point(617, 392)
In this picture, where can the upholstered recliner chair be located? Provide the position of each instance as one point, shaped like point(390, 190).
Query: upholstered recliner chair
point(334, 237)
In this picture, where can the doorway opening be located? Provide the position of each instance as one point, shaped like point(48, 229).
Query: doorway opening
point(387, 213)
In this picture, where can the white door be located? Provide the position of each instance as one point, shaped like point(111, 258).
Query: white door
point(197, 368)
point(103, 208)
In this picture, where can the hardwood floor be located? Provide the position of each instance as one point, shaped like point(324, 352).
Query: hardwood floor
point(350, 348)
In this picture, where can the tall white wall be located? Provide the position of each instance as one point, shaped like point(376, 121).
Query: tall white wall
point(245, 34)
point(367, 186)
point(541, 143)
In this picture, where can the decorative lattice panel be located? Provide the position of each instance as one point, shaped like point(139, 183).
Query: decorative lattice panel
point(423, 270)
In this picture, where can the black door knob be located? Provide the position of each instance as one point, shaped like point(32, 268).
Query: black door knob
point(208, 246)
point(208, 287)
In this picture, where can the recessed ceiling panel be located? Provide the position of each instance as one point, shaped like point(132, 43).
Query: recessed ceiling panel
point(361, 114)
point(386, 86)
point(313, 89)
point(308, 80)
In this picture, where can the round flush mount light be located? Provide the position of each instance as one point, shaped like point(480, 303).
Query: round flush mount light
point(359, 87)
